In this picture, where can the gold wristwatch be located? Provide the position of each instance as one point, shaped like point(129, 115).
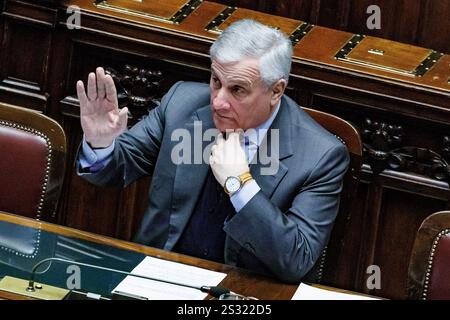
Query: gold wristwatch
point(234, 184)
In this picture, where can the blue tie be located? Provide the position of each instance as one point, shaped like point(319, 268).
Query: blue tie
point(247, 147)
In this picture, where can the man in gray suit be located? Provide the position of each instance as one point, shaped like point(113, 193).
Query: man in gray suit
point(263, 195)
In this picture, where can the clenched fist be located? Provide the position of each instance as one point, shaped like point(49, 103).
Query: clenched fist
point(228, 158)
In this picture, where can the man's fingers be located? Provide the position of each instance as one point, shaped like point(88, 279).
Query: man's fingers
point(123, 117)
point(110, 88)
point(212, 160)
point(81, 93)
point(92, 87)
point(233, 141)
point(100, 83)
point(235, 136)
point(220, 139)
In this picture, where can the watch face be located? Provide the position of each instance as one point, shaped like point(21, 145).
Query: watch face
point(232, 184)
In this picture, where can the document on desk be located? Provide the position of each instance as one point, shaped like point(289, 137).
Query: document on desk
point(306, 292)
point(170, 271)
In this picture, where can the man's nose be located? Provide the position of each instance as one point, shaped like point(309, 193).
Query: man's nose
point(220, 101)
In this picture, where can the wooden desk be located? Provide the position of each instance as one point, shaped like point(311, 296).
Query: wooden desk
point(237, 280)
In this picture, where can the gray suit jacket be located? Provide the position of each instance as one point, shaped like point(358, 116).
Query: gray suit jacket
point(282, 230)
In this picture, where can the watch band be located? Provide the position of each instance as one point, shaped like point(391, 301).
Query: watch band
point(245, 177)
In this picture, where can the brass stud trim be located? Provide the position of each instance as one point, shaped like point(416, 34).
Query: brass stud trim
point(176, 18)
point(427, 63)
point(430, 262)
point(215, 23)
point(322, 260)
point(185, 11)
point(349, 46)
point(301, 31)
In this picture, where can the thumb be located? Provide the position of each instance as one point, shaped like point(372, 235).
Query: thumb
point(123, 117)
point(220, 140)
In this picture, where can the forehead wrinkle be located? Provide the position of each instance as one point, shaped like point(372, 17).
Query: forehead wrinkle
point(247, 75)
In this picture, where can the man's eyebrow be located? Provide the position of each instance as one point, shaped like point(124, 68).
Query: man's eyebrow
point(242, 83)
point(213, 71)
point(214, 75)
point(233, 82)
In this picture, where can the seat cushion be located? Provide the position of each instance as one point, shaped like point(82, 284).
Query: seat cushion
point(23, 163)
point(439, 285)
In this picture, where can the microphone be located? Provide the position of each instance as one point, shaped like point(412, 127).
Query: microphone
point(214, 291)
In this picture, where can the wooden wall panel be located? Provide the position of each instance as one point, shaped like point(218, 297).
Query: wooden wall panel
point(32, 70)
point(93, 208)
point(392, 18)
point(26, 28)
point(331, 14)
point(301, 9)
point(2, 28)
point(400, 216)
point(435, 25)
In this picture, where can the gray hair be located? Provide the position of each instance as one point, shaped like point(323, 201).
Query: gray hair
point(250, 39)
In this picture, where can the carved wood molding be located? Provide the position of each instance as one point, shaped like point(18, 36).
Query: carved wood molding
point(137, 88)
point(383, 149)
point(446, 148)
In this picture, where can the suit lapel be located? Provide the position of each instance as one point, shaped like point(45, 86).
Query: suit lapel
point(189, 177)
point(276, 146)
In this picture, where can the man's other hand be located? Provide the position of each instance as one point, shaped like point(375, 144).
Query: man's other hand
point(228, 158)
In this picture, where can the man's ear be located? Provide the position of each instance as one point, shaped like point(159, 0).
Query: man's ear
point(277, 91)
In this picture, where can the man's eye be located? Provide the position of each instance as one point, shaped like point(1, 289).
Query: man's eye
point(238, 90)
point(215, 81)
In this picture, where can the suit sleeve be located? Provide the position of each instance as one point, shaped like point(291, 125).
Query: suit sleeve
point(135, 151)
point(289, 243)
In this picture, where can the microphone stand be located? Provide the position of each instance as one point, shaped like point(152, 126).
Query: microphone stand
point(214, 291)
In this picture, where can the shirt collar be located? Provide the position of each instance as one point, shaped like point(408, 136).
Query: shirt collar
point(256, 135)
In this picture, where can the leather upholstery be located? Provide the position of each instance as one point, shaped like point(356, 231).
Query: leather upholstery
point(18, 240)
point(429, 265)
point(23, 164)
point(439, 285)
point(32, 162)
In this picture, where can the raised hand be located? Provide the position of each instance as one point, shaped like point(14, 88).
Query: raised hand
point(101, 119)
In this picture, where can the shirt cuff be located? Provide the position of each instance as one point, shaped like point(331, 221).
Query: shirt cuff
point(243, 196)
point(89, 157)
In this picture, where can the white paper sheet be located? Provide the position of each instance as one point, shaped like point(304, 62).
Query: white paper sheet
point(306, 292)
point(172, 271)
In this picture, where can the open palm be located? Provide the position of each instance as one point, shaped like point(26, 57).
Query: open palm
point(101, 119)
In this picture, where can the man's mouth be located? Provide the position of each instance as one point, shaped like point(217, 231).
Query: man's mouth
point(221, 115)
